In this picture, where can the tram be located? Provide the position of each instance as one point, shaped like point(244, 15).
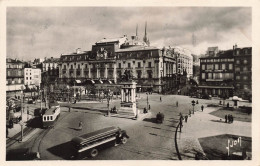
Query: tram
point(51, 115)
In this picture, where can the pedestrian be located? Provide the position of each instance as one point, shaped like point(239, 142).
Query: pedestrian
point(190, 113)
point(231, 118)
point(226, 118)
point(149, 107)
point(186, 118)
point(177, 103)
point(202, 107)
point(181, 118)
point(69, 107)
point(145, 111)
point(228, 105)
point(80, 125)
point(160, 99)
point(197, 102)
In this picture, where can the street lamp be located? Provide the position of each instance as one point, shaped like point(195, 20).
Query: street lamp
point(21, 122)
point(147, 100)
point(161, 80)
point(108, 100)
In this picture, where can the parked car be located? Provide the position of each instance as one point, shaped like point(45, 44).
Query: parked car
point(31, 101)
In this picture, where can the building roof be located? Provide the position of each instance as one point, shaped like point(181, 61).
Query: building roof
point(50, 60)
point(221, 54)
point(137, 48)
point(111, 40)
point(212, 48)
point(10, 60)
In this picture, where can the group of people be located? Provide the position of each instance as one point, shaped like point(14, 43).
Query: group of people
point(113, 110)
point(229, 118)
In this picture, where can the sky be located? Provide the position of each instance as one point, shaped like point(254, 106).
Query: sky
point(38, 32)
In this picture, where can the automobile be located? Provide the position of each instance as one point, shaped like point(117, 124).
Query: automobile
point(159, 118)
point(31, 101)
point(21, 154)
point(206, 96)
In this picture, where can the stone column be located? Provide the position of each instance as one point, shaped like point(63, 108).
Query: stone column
point(143, 73)
point(122, 95)
point(89, 71)
point(114, 73)
point(106, 71)
point(164, 69)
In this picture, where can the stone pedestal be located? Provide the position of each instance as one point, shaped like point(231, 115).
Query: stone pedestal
point(128, 100)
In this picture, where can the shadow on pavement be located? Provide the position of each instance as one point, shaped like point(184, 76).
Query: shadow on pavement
point(161, 135)
point(62, 150)
point(35, 123)
point(76, 129)
point(160, 128)
point(153, 120)
point(220, 121)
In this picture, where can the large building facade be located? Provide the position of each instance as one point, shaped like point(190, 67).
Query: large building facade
point(225, 73)
point(14, 75)
point(32, 77)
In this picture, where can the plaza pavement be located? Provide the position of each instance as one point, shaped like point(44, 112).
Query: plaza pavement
point(202, 124)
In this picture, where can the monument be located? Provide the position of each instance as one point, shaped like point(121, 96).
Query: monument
point(128, 97)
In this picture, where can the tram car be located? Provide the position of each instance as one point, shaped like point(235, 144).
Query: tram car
point(51, 115)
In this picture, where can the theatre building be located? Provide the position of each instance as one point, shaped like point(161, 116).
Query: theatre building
point(105, 64)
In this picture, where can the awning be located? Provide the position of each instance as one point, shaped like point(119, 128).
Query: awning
point(217, 87)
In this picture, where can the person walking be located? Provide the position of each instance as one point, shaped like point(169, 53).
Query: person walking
point(202, 107)
point(197, 102)
point(177, 103)
point(160, 99)
point(231, 118)
point(226, 118)
point(186, 118)
point(80, 125)
point(69, 107)
point(149, 107)
point(190, 113)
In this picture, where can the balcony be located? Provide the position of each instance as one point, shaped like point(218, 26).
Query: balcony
point(214, 79)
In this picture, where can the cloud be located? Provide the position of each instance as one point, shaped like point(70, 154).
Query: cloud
point(35, 32)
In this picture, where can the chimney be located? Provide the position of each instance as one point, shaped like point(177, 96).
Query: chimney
point(78, 50)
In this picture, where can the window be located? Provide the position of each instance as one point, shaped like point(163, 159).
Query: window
point(209, 75)
point(237, 62)
point(150, 74)
point(216, 66)
point(245, 86)
point(71, 67)
point(129, 65)
point(237, 77)
point(210, 67)
point(245, 61)
point(149, 64)
point(47, 117)
point(119, 65)
point(30, 78)
point(78, 66)
point(245, 77)
point(64, 71)
point(139, 64)
point(245, 68)
point(78, 73)
point(230, 66)
point(139, 74)
point(86, 66)
point(50, 117)
point(223, 66)
point(238, 85)
point(203, 76)
point(237, 69)
point(26, 78)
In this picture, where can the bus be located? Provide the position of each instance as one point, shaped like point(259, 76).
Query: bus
point(50, 116)
point(89, 145)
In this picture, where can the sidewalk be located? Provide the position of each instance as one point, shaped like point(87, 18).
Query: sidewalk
point(202, 124)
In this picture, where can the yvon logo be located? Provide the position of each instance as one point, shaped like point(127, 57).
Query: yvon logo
point(232, 143)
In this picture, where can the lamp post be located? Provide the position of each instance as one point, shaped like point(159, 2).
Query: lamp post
point(147, 100)
point(161, 81)
point(108, 100)
point(21, 122)
point(41, 98)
